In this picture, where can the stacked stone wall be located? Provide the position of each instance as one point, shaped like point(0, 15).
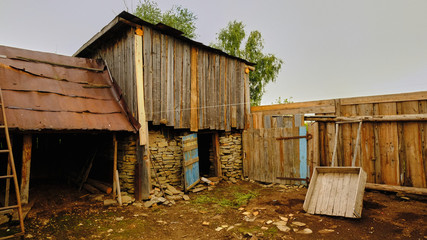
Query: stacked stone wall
point(230, 151)
point(126, 162)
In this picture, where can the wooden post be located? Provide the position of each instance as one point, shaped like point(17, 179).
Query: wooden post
point(114, 165)
point(217, 158)
point(26, 166)
point(143, 179)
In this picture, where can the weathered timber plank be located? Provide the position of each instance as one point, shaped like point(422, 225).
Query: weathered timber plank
point(194, 92)
point(178, 83)
point(163, 77)
point(388, 144)
point(413, 147)
point(170, 84)
point(222, 94)
point(156, 59)
point(186, 87)
point(148, 73)
point(400, 97)
point(367, 142)
point(201, 86)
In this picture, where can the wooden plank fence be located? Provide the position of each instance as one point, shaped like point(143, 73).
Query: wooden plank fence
point(393, 144)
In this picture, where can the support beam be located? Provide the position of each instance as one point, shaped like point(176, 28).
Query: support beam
point(142, 176)
point(392, 188)
point(378, 118)
point(26, 166)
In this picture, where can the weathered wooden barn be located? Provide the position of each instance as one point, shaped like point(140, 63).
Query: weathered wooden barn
point(61, 111)
point(174, 86)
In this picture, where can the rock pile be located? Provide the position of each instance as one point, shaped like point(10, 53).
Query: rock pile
point(230, 150)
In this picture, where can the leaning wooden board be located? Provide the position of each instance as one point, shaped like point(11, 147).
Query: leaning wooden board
point(336, 191)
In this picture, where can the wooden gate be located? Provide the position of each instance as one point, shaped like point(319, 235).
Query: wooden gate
point(191, 161)
point(277, 154)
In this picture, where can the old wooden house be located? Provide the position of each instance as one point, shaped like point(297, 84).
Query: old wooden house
point(175, 87)
point(61, 111)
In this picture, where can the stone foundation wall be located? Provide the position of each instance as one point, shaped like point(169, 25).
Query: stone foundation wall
point(167, 159)
point(230, 151)
point(126, 162)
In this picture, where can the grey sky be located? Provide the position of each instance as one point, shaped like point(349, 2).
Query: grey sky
point(331, 48)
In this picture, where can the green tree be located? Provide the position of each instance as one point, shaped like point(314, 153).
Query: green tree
point(281, 100)
point(230, 40)
point(178, 17)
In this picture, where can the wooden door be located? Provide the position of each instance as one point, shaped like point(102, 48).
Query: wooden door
point(191, 161)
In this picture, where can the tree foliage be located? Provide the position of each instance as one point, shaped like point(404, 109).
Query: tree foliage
point(177, 17)
point(230, 40)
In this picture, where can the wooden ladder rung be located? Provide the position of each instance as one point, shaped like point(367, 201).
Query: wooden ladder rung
point(6, 176)
point(13, 236)
point(8, 207)
point(7, 211)
point(4, 151)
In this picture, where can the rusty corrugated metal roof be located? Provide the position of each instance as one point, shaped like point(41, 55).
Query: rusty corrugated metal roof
point(46, 91)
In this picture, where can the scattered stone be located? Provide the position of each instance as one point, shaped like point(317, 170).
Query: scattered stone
point(283, 228)
point(127, 199)
point(172, 189)
point(280, 223)
point(174, 197)
point(283, 186)
point(138, 204)
point(334, 226)
point(161, 221)
point(269, 222)
point(229, 228)
point(148, 204)
point(109, 202)
point(29, 236)
point(290, 215)
point(298, 224)
point(168, 192)
point(249, 219)
point(305, 231)
point(233, 180)
point(119, 218)
point(264, 228)
point(205, 223)
point(325, 231)
point(210, 188)
point(98, 197)
point(110, 230)
point(199, 189)
point(241, 209)
point(238, 224)
point(284, 218)
point(224, 226)
point(246, 213)
point(255, 213)
point(218, 229)
point(186, 197)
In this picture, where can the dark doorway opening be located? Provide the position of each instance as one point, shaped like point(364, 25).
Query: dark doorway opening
point(206, 156)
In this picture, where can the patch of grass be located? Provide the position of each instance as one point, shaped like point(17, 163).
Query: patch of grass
point(234, 200)
point(271, 232)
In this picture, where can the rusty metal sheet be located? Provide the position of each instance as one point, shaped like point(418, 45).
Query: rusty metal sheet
point(49, 91)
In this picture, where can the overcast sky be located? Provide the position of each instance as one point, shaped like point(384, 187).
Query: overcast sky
point(331, 48)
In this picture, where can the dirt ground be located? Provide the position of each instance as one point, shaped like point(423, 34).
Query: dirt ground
point(230, 211)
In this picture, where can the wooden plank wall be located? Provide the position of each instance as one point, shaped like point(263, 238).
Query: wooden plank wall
point(191, 88)
point(117, 55)
point(185, 86)
point(267, 158)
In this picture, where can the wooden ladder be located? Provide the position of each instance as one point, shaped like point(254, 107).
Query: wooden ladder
point(11, 173)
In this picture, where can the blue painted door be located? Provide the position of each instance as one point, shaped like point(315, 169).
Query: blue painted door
point(303, 166)
point(191, 161)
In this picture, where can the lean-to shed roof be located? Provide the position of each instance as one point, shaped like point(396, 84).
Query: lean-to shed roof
point(45, 91)
point(125, 19)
